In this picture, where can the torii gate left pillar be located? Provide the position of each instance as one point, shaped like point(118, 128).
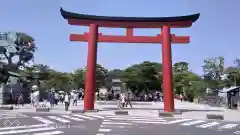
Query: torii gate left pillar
point(90, 85)
point(93, 37)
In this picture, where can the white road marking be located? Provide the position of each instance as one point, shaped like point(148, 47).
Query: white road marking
point(26, 131)
point(49, 133)
point(107, 120)
point(99, 134)
point(21, 127)
point(228, 126)
point(104, 130)
point(127, 117)
point(59, 119)
point(84, 117)
point(104, 126)
point(137, 119)
point(96, 116)
point(192, 122)
point(43, 120)
point(149, 122)
point(237, 132)
point(208, 125)
point(116, 123)
point(72, 118)
point(134, 119)
point(178, 121)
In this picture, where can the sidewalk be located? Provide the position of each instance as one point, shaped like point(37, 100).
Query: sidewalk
point(189, 110)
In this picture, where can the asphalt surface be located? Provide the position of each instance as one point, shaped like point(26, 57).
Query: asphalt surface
point(86, 124)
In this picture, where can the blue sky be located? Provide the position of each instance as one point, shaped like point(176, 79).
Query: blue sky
point(216, 33)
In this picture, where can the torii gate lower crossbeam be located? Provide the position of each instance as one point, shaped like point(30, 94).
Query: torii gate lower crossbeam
point(93, 37)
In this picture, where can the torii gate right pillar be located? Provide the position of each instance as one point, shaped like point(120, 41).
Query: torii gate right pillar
point(167, 69)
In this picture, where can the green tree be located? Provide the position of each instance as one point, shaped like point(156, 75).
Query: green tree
point(180, 77)
point(78, 78)
point(101, 75)
point(233, 73)
point(213, 69)
point(187, 82)
point(143, 77)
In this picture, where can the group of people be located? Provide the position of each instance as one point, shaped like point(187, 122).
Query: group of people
point(123, 100)
point(64, 98)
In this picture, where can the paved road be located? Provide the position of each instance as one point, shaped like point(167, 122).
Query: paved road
point(50, 124)
point(92, 124)
point(152, 125)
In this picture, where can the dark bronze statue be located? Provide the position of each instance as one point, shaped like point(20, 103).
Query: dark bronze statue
point(16, 50)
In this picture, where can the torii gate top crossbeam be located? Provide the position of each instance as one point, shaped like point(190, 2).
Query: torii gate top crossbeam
point(126, 22)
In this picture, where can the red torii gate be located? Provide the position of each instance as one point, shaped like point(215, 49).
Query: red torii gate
point(129, 23)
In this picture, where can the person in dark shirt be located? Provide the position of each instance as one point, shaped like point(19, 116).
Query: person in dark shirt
point(117, 96)
point(128, 101)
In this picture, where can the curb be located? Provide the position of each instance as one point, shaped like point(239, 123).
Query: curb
point(215, 116)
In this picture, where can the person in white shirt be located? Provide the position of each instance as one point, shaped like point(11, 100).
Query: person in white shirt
point(35, 95)
point(122, 100)
point(67, 101)
point(75, 98)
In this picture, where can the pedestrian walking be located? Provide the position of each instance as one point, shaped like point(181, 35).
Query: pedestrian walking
point(51, 99)
point(122, 100)
point(118, 100)
point(20, 99)
point(35, 95)
point(67, 101)
point(75, 98)
point(181, 97)
point(128, 101)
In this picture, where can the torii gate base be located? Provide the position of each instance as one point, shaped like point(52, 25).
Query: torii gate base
point(93, 37)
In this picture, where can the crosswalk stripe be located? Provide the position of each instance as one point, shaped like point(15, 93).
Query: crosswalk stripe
point(59, 119)
point(149, 122)
point(107, 120)
point(228, 126)
point(116, 123)
point(72, 118)
point(49, 133)
point(22, 127)
point(26, 130)
point(178, 121)
point(104, 126)
point(192, 122)
point(115, 116)
point(96, 116)
point(43, 120)
point(84, 117)
point(137, 119)
point(104, 130)
point(237, 132)
point(208, 125)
